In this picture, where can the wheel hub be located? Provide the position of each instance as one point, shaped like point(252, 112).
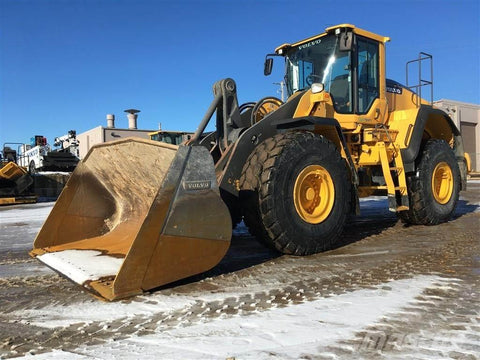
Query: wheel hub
point(442, 183)
point(314, 194)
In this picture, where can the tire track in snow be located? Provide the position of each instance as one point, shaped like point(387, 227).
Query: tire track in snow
point(228, 305)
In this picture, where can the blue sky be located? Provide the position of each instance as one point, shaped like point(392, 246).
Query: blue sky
point(66, 64)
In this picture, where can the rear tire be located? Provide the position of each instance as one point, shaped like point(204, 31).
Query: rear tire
point(434, 189)
point(296, 193)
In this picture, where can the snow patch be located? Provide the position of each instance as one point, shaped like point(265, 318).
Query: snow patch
point(288, 332)
point(53, 173)
point(82, 265)
point(93, 310)
point(20, 213)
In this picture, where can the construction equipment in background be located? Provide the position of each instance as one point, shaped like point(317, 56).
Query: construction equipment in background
point(171, 137)
point(39, 156)
point(139, 214)
point(8, 153)
point(67, 143)
point(15, 183)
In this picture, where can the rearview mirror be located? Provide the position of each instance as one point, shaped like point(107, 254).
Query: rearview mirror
point(346, 41)
point(267, 69)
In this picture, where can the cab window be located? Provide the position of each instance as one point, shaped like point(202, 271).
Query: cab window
point(368, 74)
point(337, 80)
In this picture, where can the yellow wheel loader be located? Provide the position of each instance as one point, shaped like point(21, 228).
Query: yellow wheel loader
point(139, 214)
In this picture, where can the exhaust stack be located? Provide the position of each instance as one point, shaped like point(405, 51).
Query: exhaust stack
point(132, 118)
point(110, 121)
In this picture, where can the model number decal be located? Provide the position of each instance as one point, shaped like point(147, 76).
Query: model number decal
point(394, 90)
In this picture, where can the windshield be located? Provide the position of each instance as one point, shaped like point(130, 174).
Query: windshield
point(168, 138)
point(320, 61)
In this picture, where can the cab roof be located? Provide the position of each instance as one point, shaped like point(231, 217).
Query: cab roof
point(279, 50)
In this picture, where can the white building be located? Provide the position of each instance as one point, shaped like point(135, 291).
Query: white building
point(102, 134)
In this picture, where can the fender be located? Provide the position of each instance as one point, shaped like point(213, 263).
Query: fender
point(315, 124)
point(270, 126)
point(410, 153)
point(231, 169)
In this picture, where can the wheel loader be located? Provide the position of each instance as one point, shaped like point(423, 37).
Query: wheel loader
point(138, 214)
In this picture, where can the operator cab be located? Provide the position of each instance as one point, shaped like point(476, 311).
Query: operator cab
point(345, 60)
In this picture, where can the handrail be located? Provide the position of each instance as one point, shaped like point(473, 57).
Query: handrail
point(421, 82)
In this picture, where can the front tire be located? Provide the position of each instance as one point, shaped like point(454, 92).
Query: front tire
point(296, 193)
point(434, 189)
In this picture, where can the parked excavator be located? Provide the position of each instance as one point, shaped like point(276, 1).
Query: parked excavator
point(138, 214)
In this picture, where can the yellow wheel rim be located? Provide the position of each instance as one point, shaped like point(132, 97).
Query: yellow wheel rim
point(442, 183)
point(267, 107)
point(314, 194)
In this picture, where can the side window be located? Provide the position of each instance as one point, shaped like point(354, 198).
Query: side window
point(368, 83)
point(305, 69)
point(298, 72)
point(339, 83)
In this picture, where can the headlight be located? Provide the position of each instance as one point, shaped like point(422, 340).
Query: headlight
point(317, 88)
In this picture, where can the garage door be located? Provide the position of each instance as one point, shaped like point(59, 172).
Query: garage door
point(469, 144)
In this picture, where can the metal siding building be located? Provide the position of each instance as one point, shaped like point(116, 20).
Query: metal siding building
point(102, 134)
point(467, 118)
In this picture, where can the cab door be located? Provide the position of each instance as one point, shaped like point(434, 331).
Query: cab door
point(371, 106)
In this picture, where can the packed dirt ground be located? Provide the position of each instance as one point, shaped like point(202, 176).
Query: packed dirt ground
point(427, 278)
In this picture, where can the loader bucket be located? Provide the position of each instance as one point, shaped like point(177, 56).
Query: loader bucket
point(136, 214)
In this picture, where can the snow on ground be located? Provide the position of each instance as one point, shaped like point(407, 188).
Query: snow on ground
point(19, 224)
point(94, 310)
point(53, 173)
point(30, 214)
point(288, 332)
point(54, 316)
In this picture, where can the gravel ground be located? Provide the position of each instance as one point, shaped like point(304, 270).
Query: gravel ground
point(41, 312)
